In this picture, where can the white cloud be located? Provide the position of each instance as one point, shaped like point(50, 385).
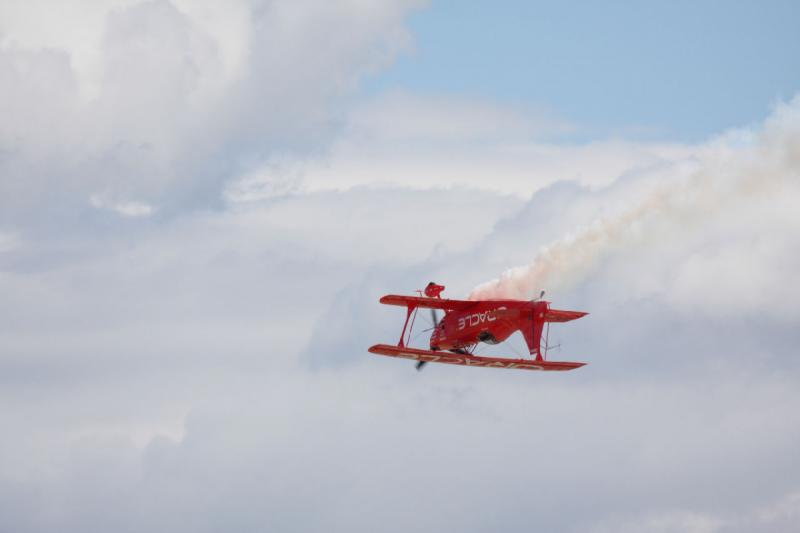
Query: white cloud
point(165, 373)
point(727, 214)
point(128, 209)
point(671, 522)
point(429, 141)
point(400, 116)
point(208, 370)
point(164, 101)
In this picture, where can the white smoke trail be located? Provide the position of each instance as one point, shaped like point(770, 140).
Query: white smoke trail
point(724, 173)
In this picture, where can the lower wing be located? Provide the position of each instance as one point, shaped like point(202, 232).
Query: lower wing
point(429, 356)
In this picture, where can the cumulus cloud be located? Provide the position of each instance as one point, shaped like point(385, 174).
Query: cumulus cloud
point(161, 102)
point(428, 141)
point(730, 189)
point(193, 369)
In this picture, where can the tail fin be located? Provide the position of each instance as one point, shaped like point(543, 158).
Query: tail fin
point(531, 324)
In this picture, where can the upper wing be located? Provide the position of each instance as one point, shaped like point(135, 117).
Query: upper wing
point(420, 301)
point(555, 315)
point(552, 315)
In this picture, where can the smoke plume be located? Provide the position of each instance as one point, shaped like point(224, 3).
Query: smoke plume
point(736, 166)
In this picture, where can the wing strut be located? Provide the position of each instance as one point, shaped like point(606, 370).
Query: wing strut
point(546, 339)
point(411, 309)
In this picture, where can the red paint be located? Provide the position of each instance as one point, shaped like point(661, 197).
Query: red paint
point(467, 323)
point(471, 360)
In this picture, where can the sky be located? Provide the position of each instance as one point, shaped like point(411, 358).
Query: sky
point(201, 204)
point(655, 70)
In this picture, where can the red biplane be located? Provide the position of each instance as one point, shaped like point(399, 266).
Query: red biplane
point(467, 323)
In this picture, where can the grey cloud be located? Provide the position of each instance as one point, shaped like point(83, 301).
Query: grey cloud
point(353, 450)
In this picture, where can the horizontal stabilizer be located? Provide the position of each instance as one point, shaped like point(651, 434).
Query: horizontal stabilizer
point(555, 315)
point(450, 358)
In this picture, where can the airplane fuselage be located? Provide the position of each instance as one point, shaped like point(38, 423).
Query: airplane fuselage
point(490, 322)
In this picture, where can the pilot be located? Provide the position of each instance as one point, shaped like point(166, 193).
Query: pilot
point(433, 290)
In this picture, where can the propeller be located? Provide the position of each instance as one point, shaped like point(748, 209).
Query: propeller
point(435, 320)
point(432, 290)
